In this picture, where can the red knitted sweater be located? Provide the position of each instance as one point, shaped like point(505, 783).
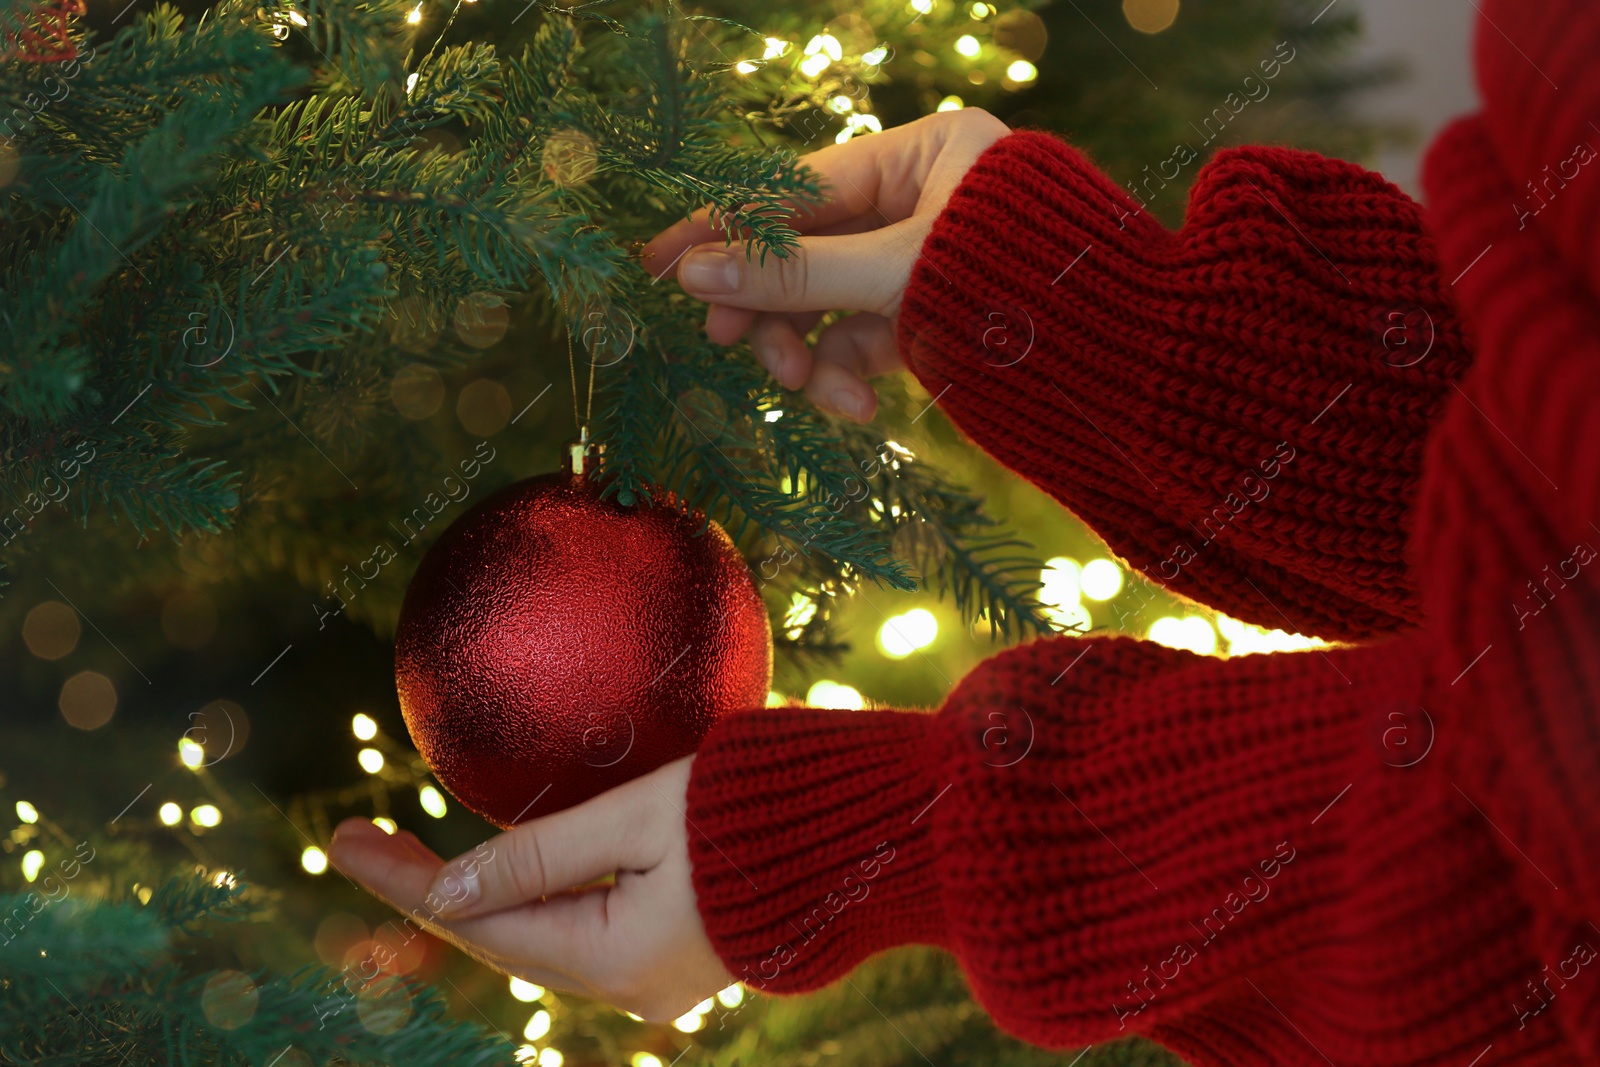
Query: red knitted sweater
point(1386, 853)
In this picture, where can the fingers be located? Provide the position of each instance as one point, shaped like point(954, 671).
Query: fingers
point(857, 272)
point(546, 856)
point(848, 352)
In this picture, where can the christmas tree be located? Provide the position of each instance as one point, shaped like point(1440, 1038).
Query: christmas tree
point(250, 251)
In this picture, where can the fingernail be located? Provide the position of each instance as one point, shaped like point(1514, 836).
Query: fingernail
point(771, 357)
point(847, 402)
point(711, 271)
point(355, 829)
point(458, 888)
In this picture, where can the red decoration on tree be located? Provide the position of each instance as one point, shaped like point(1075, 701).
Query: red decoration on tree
point(553, 645)
point(47, 37)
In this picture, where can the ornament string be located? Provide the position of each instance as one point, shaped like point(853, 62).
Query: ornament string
point(580, 416)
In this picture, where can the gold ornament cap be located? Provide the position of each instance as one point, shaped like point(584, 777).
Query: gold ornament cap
point(582, 457)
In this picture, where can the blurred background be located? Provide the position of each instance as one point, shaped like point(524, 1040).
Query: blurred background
point(191, 703)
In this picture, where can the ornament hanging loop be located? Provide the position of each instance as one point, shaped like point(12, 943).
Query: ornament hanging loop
point(583, 455)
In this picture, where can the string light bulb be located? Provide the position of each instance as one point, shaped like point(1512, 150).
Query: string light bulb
point(297, 18)
point(32, 863)
point(27, 812)
point(951, 103)
point(432, 801)
point(732, 996)
point(207, 815)
point(388, 826)
point(968, 46)
point(538, 1025)
point(813, 65)
point(414, 16)
point(776, 46)
point(745, 66)
point(364, 726)
point(551, 1057)
point(644, 1059)
point(170, 814)
point(825, 44)
point(371, 760)
point(526, 992)
point(314, 860)
point(876, 56)
point(191, 753)
point(689, 1022)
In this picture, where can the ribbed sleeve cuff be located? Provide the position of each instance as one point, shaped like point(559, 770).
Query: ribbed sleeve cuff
point(808, 842)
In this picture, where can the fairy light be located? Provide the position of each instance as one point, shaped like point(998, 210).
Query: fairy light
point(901, 635)
point(830, 694)
point(921, 7)
point(170, 814)
point(968, 46)
point(825, 44)
point(207, 815)
point(551, 1057)
point(224, 880)
point(371, 760)
point(27, 812)
point(314, 860)
point(1101, 579)
point(951, 103)
point(364, 726)
point(1021, 71)
point(32, 863)
point(1190, 632)
point(411, 81)
point(776, 46)
point(432, 801)
point(980, 10)
point(191, 753)
point(689, 1022)
point(644, 1059)
point(745, 66)
point(414, 16)
point(297, 18)
point(526, 992)
point(774, 415)
point(537, 1026)
point(732, 996)
point(813, 65)
point(875, 56)
point(388, 826)
point(858, 123)
point(840, 104)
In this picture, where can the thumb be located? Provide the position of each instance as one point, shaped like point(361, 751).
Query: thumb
point(546, 856)
point(856, 271)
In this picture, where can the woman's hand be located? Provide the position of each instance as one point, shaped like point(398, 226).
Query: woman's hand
point(517, 901)
point(884, 191)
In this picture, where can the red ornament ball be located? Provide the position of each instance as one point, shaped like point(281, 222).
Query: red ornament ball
point(553, 645)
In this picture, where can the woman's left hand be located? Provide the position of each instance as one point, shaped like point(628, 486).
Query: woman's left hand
point(523, 901)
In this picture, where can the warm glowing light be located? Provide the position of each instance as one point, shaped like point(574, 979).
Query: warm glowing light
point(731, 997)
point(551, 1057)
point(1150, 16)
point(1101, 579)
point(27, 812)
point(411, 81)
point(1244, 639)
point(432, 801)
point(526, 1054)
point(859, 123)
point(297, 18)
point(689, 1022)
point(980, 11)
point(776, 700)
point(776, 46)
point(774, 415)
point(825, 44)
point(1191, 632)
point(32, 862)
point(191, 753)
point(901, 635)
point(921, 7)
point(364, 726)
point(371, 760)
point(840, 104)
point(635, 1018)
point(388, 826)
point(951, 103)
point(170, 814)
point(744, 66)
point(1022, 71)
point(526, 992)
point(206, 815)
point(968, 46)
point(802, 609)
point(314, 860)
point(875, 56)
point(414, 16)
point(537, 1026)
point(813, 65)
point(224, 880)
point(828, 694)
point(644, 1059)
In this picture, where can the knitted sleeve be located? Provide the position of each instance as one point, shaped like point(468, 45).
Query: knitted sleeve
point(1094, 827)
point(1239, 407)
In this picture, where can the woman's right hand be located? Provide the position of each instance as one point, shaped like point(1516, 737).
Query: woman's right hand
point(856, 253)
